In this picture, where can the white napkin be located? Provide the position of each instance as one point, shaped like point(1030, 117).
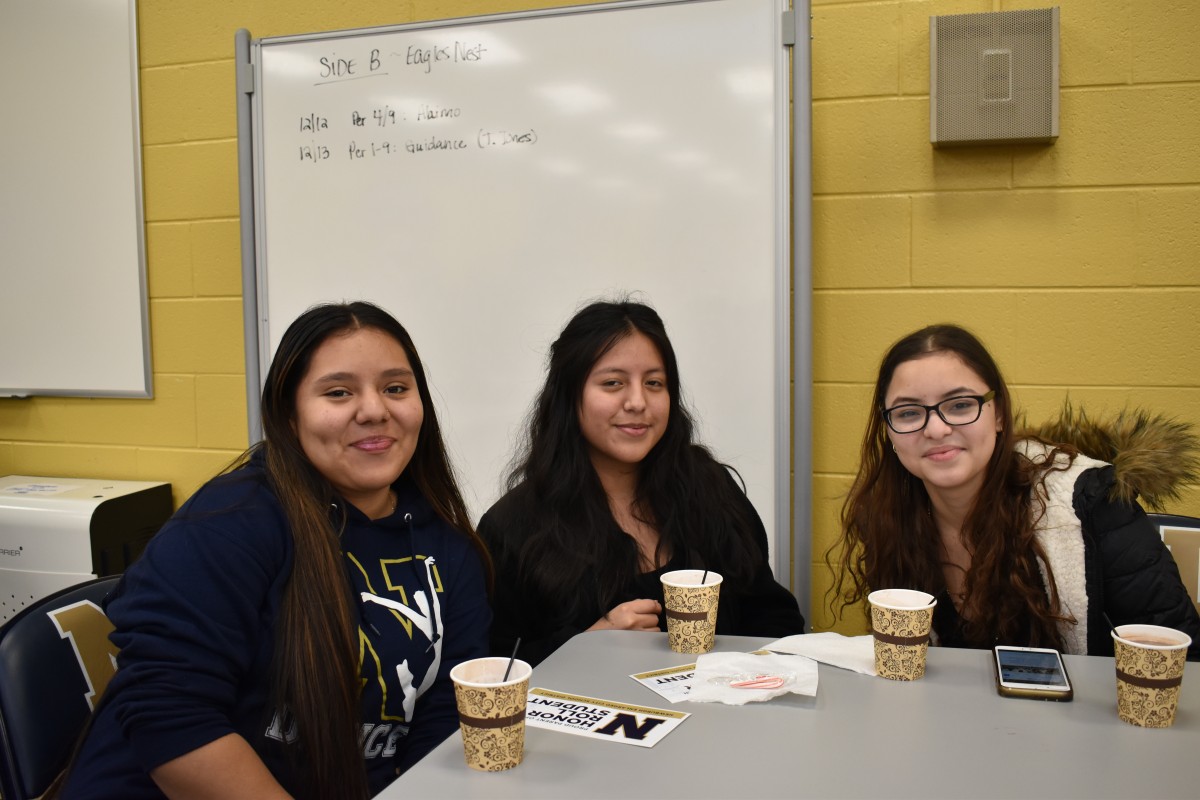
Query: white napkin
point(716, 674)
point(848, 652)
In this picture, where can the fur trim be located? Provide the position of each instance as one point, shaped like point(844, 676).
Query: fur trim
point(1153, 455)
point(1059, 533)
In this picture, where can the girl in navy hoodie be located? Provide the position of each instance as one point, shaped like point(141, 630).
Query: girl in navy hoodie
point(290, 632)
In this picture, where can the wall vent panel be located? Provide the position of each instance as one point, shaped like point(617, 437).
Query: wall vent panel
point(993, 77)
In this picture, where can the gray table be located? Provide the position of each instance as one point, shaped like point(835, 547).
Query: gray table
point(949, 735)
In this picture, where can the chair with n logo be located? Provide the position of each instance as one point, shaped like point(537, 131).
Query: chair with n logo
point(55, 662)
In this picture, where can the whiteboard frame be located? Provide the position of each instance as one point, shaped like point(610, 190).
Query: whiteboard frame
point(71, 352)
point(799, 26)
point(792, 382)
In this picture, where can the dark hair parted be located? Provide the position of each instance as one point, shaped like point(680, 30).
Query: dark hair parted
point(682, 491)
point(889, 538)
point(316, 647)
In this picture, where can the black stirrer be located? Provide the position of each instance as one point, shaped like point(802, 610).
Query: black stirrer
point(511, 659)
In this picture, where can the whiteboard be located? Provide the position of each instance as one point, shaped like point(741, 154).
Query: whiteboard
point(483, 178)
point(73, 315)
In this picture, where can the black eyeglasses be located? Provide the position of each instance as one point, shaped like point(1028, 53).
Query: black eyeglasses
point(913, 417)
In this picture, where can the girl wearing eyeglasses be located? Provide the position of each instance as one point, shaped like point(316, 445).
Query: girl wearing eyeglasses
point(1023, 541)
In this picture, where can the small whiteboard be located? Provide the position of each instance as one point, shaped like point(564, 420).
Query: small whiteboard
point(483, 178)
point(73, 316)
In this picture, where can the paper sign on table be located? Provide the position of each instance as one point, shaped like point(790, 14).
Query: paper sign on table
point(600, 719)
point(673, 683)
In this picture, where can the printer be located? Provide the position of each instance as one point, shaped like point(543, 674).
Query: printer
point(57, 532)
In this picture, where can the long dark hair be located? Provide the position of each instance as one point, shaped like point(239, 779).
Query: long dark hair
point(889, 539)
point(316, 670)
point(682, 491)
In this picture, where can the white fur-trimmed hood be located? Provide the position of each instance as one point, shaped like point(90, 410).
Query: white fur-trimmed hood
point(1060, 535)
point(1154, 456)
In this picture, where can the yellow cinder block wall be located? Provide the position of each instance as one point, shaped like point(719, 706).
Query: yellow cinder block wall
point(1078, 263)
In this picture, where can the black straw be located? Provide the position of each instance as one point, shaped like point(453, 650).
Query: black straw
point(704, 577)
point(1108, 622)
point(511, 659)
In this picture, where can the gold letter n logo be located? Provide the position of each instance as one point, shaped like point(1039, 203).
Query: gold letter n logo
point(86, 627)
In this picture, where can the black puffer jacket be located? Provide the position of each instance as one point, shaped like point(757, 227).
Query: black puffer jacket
point(1108, 559)
point(1130, 575)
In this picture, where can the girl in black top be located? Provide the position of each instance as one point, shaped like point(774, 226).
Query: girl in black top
point(611, 491)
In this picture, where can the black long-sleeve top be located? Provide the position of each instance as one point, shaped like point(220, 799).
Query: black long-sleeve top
point(522, 609)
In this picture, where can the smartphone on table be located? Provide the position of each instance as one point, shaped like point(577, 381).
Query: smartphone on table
point(1034, 672)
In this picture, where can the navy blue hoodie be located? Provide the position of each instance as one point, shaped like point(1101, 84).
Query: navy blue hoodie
point(195, 622)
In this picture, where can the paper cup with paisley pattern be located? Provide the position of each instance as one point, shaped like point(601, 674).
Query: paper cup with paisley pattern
point(1149, 661)
point(491, 711)
point(900, 623)
point(691, 609)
